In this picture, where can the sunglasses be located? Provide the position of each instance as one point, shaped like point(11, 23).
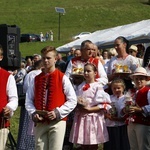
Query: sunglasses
point(131, 51)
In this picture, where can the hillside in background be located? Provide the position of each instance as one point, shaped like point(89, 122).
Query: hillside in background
point(33, 16)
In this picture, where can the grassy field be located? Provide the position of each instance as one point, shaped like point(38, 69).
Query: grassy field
point(33, 16)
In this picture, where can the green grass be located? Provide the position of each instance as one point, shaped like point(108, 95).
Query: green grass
point(15, 124)
point(33, 16)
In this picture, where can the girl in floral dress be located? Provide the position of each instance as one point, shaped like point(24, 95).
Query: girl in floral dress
point(89, 128)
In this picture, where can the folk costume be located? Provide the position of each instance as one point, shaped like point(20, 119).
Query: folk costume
point(51, 91)
point(139, 128)
point(8, 98)
point(101, 77)
point(90, 128)
point(117, 130)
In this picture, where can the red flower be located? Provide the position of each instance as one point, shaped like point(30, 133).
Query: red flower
point(86, 86)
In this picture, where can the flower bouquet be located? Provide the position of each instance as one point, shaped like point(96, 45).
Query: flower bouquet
point(113, 110)
point(129, 96)
point(128, 103)
point(81, 102)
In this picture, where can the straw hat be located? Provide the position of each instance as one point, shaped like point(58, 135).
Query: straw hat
point(134, 48)
point(140, 71)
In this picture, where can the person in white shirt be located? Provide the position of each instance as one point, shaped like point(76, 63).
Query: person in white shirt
point(115, 122)
point(139, 113)
point(133, 50)
point(26, 138)
point(87, 52)
point(87, 48)
point(49, 100)
point(8, 102)
point(123, 59)
point(41, 37)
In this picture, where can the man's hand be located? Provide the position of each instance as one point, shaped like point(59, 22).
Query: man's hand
point(7, 112)
point(135, 109)
point(36, 117)
point(51, 115)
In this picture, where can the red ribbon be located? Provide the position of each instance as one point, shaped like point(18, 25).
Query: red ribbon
point(86, 86)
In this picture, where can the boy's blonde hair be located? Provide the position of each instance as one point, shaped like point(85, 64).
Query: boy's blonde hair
point(47, 49)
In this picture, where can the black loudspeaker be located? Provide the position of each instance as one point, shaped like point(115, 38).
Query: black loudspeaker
point(9, 39)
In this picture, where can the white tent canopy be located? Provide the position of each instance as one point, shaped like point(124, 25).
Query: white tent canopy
point(138, 32)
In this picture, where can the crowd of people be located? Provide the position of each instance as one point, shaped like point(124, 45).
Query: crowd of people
point(49, 36)
point(89, 97)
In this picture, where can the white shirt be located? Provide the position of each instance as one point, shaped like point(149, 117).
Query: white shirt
point(106, 60)
point(94, 95)
point(130, 61)
point(119, 104)
point(28, 79)
point(11, 91)
point(140, 61)
point(65, 109)
point(101, 72)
